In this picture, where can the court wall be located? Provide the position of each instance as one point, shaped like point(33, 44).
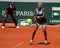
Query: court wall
point(24, 10)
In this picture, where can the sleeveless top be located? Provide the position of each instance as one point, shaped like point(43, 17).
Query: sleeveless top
point(39, 12)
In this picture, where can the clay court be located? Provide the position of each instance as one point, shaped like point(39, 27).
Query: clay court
point(11, 37)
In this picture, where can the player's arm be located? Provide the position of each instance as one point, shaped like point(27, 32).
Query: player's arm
point(7, 11)
point(14, 9)
point(43, 13)
point(34, 14)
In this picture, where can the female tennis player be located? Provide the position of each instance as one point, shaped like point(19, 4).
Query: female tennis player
point(10, 11)
point(39, 17)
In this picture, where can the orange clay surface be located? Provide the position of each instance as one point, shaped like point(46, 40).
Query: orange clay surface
point(11, 37)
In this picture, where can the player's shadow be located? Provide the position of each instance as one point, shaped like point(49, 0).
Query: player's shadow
point(11, 27)
point(44, 43)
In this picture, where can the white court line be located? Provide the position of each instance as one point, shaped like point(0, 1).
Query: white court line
point(18, 45)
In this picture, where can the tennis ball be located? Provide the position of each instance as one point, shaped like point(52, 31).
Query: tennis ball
point(29, 20)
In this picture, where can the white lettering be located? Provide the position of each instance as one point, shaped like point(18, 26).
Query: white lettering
point(3, 12)
point(24, 13)
point(17, 13)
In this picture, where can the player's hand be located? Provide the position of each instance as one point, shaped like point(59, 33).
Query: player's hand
point(38, 16)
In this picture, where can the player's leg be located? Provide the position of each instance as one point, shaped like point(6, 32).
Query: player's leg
point(4, 21)
point(35, 30)
point(45, 33)
point(33, 35)
point(13, 18)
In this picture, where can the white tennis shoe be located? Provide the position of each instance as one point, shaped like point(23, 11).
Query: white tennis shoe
point(46, 42)
point(31, 42)
point(3, 27)
point(17, 26)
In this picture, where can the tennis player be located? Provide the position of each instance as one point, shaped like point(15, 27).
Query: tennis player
point(39, 17)
point(10, 11)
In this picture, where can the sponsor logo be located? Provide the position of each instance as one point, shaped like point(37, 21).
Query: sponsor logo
point(20, 13)
point(23, 22)
point(55, 12)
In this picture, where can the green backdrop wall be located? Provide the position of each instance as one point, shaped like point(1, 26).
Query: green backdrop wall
point(25, 10)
